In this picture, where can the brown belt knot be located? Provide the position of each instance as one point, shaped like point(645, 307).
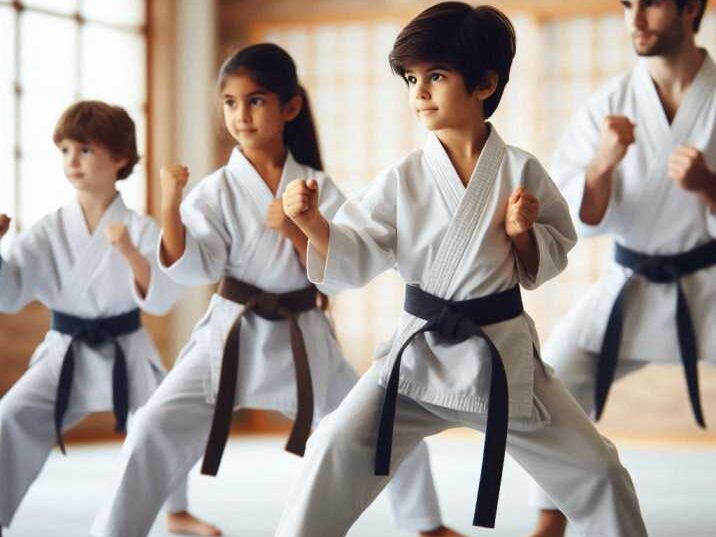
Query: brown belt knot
point(272, 307)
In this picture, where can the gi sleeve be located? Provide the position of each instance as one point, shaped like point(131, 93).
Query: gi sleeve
point(207, 240)
point(162, 292)
point(553, 231)
point(362, 239)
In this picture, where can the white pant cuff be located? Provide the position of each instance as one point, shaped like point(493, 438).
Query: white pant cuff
point(421, 524)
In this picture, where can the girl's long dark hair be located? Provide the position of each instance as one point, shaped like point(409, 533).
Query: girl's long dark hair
point(273, 69)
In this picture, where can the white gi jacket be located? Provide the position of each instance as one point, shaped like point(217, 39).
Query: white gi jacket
point(648, 212)
point(450, 241)
point(60, 264)
point(226, 234)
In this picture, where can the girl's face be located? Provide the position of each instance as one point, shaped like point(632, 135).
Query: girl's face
point(254, 116)
point(90, 167)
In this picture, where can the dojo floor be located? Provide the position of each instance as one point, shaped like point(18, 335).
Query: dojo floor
point(677, 487)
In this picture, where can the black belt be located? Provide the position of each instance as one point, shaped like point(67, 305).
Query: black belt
point(665, 269)
point(458, 321)
point(94, 332)
point(273, 307)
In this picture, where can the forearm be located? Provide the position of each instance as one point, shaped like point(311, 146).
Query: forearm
point(140, 268)
point(173, 235)
point(597, 193)
point(527, 252)
point(300, 244)
point(318, 233)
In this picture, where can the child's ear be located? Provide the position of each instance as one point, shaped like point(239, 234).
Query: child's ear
point(292, 108)
point(120, 162)
point(487, 86)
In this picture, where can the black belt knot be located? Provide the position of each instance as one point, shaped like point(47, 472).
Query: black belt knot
point(447, 324)
point(457, 321)
point(93, 332)
point(661, 269)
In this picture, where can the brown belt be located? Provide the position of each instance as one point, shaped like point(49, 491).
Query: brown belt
point(273, 307)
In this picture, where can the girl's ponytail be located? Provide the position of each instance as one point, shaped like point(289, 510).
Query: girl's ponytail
point(301, 138)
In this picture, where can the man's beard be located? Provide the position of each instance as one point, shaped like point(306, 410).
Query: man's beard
point(665, 44)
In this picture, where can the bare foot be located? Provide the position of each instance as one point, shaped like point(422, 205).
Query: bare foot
point(551, 523)
point(442, 531)
point(184, 523)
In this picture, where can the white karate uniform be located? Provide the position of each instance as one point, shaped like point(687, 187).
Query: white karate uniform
point(450, 241)
point(648, 212)
point(226, 234)
point(58, 262)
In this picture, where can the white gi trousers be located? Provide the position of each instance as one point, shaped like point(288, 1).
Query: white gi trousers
point(575, 367)
point(169, 436)
point(27, 435)
point(565, 454)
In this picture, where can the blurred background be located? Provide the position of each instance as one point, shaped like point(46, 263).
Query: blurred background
point(159, 60)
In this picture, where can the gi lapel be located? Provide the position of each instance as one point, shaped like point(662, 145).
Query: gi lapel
point(664, 138)
point(91, 250)
point(469, 212)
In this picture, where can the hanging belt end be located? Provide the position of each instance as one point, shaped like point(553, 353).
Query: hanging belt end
point(484, 520)
point(208, 468)
point(297, 447)
point(382, 464)
point(120, 427)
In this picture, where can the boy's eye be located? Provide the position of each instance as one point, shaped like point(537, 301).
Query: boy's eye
point(410, 79)
point(64, 150)
point(256, 101)
point(436, 77)
point(86, 149)
point(229, 103)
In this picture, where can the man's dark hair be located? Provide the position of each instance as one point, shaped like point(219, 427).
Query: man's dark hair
point(471, 40)
point(681, 4)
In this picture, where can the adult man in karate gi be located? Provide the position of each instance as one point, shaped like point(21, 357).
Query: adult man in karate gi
point(638, 161)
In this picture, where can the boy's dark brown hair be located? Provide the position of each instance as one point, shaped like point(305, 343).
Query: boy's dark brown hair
point(103, 124)
point(681, 4)
point(471, 40)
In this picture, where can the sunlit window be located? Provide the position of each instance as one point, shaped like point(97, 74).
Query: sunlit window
point(52, 53)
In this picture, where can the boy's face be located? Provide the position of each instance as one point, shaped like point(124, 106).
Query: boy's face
point(439, 97)
point(89, 166)
point(253, 115)
point(657, 27)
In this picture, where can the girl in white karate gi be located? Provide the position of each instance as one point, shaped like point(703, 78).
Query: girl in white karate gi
point(231, 227)
point(467, 220)
point(92, 264)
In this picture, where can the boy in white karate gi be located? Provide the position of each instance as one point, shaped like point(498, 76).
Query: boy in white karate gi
point(91, 263)
point(638, 162)
point(466, 220)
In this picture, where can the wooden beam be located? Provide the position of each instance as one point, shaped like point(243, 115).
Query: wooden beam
point(161, 94)
point(303, 12)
